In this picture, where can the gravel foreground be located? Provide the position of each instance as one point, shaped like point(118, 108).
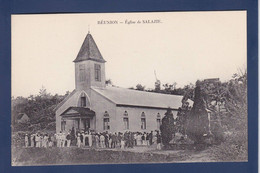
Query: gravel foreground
point(83, 156)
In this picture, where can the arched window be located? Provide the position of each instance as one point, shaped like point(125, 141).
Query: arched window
point(143, 121)
point(83, 100)
point(126, 120)
point(158, 121)
point(106, 121)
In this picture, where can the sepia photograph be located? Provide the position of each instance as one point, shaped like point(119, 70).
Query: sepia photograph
point(129, 88)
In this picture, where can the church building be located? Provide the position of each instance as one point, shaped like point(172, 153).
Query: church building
point(98, 107)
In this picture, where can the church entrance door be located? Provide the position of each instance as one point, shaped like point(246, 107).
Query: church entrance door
point(86, 123)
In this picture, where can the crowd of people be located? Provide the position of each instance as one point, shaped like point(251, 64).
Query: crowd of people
point(97, 140)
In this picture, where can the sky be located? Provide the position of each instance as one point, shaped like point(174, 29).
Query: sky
point(181, 47)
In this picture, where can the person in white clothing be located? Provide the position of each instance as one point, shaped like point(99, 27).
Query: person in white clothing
point(97, 140)
point(58, 139)
point(26, 140)
point(122, 144)
point(145, 139)
point(78, 141)
point(32, 140)
point(37, 140)
point(63, 139)
point(102, 141)
point(45, 139)
point(85, 137)
point(135, 139)
point(90, 139)
point(139, 140)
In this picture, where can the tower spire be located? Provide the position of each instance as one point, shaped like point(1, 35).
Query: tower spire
point(88, 29)
point(89, 51)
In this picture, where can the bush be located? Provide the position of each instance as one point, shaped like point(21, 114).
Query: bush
point(217, 133)
point(234, 148)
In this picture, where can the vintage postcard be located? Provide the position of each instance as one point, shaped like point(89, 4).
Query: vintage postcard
point(112, 88)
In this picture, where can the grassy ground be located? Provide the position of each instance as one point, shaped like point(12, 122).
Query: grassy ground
point(78, 156)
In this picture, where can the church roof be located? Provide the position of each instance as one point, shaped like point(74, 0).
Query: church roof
point(71, 111)
point(135, 98)
point(89, 51)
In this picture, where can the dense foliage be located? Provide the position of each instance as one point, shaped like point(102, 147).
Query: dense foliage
point(226, 102)
point(39, 109)
point(234, 123)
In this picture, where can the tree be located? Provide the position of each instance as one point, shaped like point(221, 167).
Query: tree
point(168, 88)
point(167, 128)
point(43, 92)
point(140, 87)
point(182, 115)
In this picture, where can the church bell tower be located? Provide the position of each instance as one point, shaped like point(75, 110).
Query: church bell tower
point(89, 66)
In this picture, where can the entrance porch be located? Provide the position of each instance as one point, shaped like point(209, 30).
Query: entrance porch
point(79, 118)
